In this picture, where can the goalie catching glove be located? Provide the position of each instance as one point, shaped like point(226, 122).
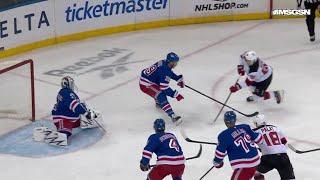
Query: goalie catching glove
point(90, 118)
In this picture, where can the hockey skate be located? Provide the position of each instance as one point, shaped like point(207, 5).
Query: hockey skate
point(279, 96)
point(158, 105)
point(250, 99)
point(176, 119)
point(312, 38)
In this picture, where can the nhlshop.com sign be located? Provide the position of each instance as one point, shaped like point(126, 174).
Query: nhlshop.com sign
point(82, 12)
point(217, 5)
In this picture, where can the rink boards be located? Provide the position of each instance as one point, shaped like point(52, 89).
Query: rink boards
point(51, 21)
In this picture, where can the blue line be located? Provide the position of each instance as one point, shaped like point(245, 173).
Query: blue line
point(20, 4)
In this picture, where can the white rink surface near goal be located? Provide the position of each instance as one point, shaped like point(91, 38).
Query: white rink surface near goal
point(209, 57)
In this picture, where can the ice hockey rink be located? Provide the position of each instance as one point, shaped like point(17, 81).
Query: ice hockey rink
point(209, 55)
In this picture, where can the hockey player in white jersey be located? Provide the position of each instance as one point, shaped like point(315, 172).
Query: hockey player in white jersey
point(273, 149)
point(259, 77)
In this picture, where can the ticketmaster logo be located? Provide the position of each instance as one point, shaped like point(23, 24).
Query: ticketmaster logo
point(291, 12)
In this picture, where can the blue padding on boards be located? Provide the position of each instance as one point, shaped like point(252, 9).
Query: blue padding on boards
point(20, 142)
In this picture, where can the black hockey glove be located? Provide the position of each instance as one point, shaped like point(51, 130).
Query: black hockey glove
point(144, 167)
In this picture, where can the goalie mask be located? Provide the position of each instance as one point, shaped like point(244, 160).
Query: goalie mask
point(68, 82)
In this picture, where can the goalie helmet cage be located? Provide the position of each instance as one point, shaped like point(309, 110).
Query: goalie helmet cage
point(17, 90)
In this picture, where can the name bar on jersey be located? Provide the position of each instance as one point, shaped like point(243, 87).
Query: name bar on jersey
point(291, 12)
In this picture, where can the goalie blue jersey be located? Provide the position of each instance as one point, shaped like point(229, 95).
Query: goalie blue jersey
point(68, 106)
point(239, 144)
point(159, 74)
point(166, 147)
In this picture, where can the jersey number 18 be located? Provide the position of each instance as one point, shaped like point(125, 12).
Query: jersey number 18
point(272, 138)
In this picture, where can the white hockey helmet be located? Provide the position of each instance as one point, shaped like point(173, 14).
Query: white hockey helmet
point(259, 120)
point(250, 57)
point(68, 82)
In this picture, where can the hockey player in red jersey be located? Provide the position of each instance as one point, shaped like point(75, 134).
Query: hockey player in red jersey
point(259, 77)
point(274, 151)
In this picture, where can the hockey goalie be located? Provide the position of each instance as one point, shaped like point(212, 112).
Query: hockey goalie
point(68, 113)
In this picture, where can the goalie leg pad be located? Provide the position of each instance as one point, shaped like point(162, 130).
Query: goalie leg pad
point(39, 133)
point(56, 139)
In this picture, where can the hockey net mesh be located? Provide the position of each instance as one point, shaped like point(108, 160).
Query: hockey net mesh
point(17, 90)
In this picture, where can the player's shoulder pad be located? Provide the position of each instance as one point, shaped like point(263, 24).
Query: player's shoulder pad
point(64, 92)
point(244, 125)
point(172, 135)
point(68, 92)
point(153, 137)
point(165, 66)
point(222, 135)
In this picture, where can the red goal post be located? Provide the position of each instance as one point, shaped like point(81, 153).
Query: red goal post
point(17, 96)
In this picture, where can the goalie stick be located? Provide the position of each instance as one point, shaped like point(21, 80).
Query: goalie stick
point(189, 158)
point(247, 115)
point(300, 151)
point(100, 126)
point(193, 141)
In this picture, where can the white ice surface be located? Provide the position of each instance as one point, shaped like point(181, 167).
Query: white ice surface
point(209, 56)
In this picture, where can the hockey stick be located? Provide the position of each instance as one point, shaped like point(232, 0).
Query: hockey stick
point(206, 172)
point(201, 142)
point(189, 158)
point(247, 115)
point(299, 2)
point(100, 126)
point(300, 151)
point(193, 141)
point(224, 104)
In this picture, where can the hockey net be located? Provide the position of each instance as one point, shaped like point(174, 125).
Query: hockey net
point(17, 99)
